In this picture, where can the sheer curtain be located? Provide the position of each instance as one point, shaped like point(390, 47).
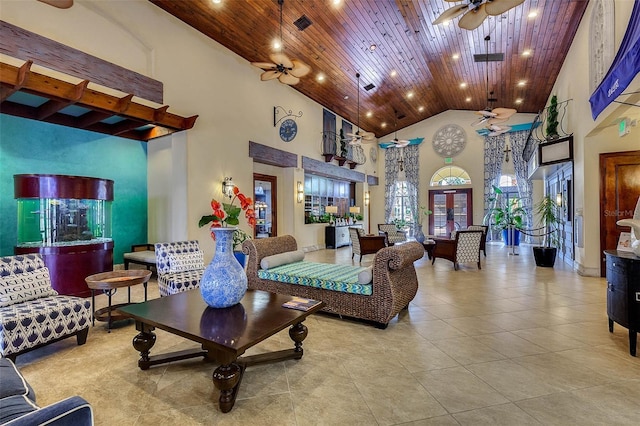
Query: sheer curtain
point(493, 157)
point(518, 141)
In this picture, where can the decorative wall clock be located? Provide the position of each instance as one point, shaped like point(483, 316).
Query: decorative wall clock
point(449, 140)
point(288, 130)
point(288, 126)
point(373, 154)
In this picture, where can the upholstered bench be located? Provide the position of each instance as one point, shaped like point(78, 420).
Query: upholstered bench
point(32, 313)
point(391, 284)
point(141, 254)
point(18, 403)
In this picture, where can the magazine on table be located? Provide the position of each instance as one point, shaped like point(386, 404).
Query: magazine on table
point(301, 303)
point(624, 242)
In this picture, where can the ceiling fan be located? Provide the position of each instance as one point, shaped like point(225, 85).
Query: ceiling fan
point(60, 4)
point(495, 116)
point(287, 71)
point(475, 11)
point(360, 135)
point(397, 143)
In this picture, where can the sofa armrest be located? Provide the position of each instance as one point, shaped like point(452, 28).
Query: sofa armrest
point(143, 247)
point(73, 411)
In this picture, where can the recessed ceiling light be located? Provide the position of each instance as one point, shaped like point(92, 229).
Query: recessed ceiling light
point(320, 77)
point(336, 2)
point(346, 97)
point(420, 108)
point(532, 14)
point(383, 125)
point(522, 83)
point(455, 56)
point(369, 113)
point(468, 99)
point(216, 1)
point(373, 47)
point(519, 101)
point(410, 95)
point(463, 85)
point(393, 73)
point(526, 52)
point(276, 44)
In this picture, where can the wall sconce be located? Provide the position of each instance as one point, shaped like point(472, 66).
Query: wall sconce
point(227, 187)
point(367, 198)
point(559, 199)
point(300, 192)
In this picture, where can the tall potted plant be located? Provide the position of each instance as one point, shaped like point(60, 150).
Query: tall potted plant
point(550, 217)
point(507, 216)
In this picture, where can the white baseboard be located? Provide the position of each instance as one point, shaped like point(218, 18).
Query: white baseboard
point(584, 271)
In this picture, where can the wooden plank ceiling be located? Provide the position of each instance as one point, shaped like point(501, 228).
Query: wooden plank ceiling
point(337, 45)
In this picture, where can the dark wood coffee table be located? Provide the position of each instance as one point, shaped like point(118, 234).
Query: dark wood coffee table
point(225, 334)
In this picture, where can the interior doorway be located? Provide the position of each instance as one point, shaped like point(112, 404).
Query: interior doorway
point(452, 210)
point(619, 192)
point(265, 189)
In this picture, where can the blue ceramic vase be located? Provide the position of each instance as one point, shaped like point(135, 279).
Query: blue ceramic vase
point(224, 281)
point(418, 234)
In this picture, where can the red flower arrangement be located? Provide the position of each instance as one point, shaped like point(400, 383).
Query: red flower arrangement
point(225, 214)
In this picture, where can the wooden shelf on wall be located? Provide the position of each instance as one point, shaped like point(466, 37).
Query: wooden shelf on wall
point(33, 95)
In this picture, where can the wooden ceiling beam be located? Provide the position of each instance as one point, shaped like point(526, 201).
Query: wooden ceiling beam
point(61, 94)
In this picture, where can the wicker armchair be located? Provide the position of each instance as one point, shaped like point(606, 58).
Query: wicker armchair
point(365, 244)
point(392, 233)
point(465, 247)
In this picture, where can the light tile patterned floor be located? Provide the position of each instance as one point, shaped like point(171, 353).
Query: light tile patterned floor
point(510, 344)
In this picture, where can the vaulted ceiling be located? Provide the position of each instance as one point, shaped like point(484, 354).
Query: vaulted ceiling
point(412, 66)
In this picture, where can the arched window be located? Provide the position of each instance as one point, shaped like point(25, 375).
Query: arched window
point(450, 175)
point(508, 181)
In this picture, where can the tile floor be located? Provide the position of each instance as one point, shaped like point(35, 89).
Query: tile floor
point(510, 344)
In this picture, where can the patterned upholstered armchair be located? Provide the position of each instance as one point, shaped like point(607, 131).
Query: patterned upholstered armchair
point(365, 244)
point(465, 247)
point(483, 241)
point(180, 266)
point(392, 233)
point(32, 313)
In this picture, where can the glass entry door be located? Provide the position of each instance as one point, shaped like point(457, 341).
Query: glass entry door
point(452, 210)
point(265, 202)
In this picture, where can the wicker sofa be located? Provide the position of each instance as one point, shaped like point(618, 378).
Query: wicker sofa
point(395, 282)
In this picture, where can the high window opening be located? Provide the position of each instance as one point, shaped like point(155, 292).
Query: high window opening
point(450, 175)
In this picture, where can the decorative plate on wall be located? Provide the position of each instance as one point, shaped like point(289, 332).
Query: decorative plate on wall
point(373, 154)
point(449, 140)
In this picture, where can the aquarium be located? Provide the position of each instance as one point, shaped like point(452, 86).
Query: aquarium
point(63, 221)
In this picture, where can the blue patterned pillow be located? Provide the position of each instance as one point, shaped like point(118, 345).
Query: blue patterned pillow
point(186, 261)
point(28, 285)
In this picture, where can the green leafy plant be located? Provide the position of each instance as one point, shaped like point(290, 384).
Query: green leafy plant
point(421, 214)
point(506, 214)
point(400, 223)
point(552, 118)
point(550, 217)
point(239, 237)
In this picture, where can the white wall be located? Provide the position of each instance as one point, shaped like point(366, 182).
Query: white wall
point(592, 137)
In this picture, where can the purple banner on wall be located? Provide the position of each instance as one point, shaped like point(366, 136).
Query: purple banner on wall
point(625, 67)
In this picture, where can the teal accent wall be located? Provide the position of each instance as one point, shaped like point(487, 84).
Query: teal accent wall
point(28, 146)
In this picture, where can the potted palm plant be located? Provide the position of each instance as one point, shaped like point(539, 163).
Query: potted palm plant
point(507, 216)
point(550, 217)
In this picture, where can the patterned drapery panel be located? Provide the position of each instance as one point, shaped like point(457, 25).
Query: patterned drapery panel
point(412, 172)
point(391, 169)
point(518, 141)
point(493, 157)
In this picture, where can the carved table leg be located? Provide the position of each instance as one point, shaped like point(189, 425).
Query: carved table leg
point(143, 342)
point(298, 332)
point(633, 340)
point(610, 325)
point(227, 379)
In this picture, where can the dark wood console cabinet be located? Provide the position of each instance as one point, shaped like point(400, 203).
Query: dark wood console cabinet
point(623, 293)
point(338, 236)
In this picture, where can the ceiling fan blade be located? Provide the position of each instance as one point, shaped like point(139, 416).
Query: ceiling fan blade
point(281, 58)
point(288, 79)
point(368, 136)
point(264, 65)
point(503, 112)
point(480, 121)
point(300, 69)
point(60, 4)
point(355, 142)
point(269, 75)
point(450, 13)
point(474, 18)
point(498, 7)
point(486, 113)
point(497, 120)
